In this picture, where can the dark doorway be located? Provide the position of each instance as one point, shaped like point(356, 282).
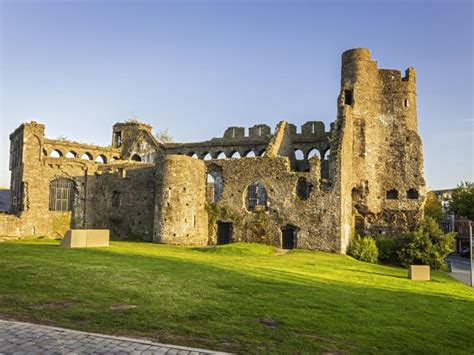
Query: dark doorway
point(288, 237)
point(224, 233)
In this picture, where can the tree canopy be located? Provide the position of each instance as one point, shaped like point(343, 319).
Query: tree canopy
point(462, 200)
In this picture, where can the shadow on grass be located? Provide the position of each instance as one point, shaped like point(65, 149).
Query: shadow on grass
point(376, 273)
point(205, 304)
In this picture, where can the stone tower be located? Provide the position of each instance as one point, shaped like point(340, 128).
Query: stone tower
point(26, 152)
point(180, 210)
point(381, 151)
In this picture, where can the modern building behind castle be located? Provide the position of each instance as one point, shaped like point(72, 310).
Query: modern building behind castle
point(306, 188)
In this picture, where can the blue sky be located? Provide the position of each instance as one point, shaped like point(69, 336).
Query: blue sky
point(196, 67)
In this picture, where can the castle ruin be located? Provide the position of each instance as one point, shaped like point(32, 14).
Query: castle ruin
point(308, 189)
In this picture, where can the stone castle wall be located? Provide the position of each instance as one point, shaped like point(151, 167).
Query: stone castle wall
point(364, 174)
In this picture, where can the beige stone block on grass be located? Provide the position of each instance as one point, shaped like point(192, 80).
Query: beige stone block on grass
point(85, 238)
point(419, 272)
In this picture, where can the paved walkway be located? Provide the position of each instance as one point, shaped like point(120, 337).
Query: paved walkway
point(25, 338)
point(460, 269)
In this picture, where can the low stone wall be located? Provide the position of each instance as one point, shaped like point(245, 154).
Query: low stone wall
point(52, 225)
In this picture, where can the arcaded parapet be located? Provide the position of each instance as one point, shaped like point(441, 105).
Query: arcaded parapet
point(180, 212)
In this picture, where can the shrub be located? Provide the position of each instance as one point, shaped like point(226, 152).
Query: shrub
point(388, 249)
point(427, 246)
point(364, 249)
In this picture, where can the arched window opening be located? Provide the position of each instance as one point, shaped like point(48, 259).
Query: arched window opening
point(303, 188)
point(221, 155)
point(250, 154)
point(208, 156)
point(114, 158)
point(327, 154)
point(236, 155)
point(262, 153)
point(86, 156)
point(299, 155)
point(194, 156)
point(256, 196)
point(101, 159)
point(61, 194)
point(210, 188)
point(313, 153)
point(116, 199)
point(392, 194)
point(71, 155)
point(56, 154)
point(215, 183)
point(136, 157)
point(413, 194)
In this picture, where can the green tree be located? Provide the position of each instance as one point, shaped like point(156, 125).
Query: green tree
point(427, 246)
point(462, 200)
point(433, 207)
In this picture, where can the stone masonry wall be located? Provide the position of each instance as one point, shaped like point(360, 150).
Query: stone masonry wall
point(180, 212)
point(366, 175)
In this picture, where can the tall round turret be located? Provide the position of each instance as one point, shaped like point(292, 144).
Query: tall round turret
point(180, 213)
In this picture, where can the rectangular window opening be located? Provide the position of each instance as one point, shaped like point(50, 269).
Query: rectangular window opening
point(348, 97)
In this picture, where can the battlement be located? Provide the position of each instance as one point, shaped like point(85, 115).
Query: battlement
point(356, 54)
point(310, 129)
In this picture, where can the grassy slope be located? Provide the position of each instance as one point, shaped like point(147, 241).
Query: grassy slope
point(215, 298)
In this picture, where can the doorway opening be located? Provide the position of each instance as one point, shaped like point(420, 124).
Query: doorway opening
point(224, 233)
point(288, 237)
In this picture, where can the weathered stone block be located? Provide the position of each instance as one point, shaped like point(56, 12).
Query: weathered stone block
point(419, 272)
point(86, 238)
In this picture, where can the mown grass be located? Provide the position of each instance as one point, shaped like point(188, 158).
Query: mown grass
point(242, 298)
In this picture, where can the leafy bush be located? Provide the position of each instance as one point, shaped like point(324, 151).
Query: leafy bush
point(388, 249)
point(364, 249)
point(427, 246)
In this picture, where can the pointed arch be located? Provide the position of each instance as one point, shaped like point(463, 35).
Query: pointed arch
point(101, 159)
point(56, 153)
point(86, 156)
point(314, 153)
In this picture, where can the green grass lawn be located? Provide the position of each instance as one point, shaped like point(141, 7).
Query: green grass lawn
point(242, 298)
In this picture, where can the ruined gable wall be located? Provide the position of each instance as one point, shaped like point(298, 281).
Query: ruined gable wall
point(33, 170)
point(315, 218)
point(33, 217)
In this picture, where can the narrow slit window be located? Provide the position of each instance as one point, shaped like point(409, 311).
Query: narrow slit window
point(348, 99)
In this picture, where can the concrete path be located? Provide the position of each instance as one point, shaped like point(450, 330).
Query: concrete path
point(460, 269)
point(25, 338)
